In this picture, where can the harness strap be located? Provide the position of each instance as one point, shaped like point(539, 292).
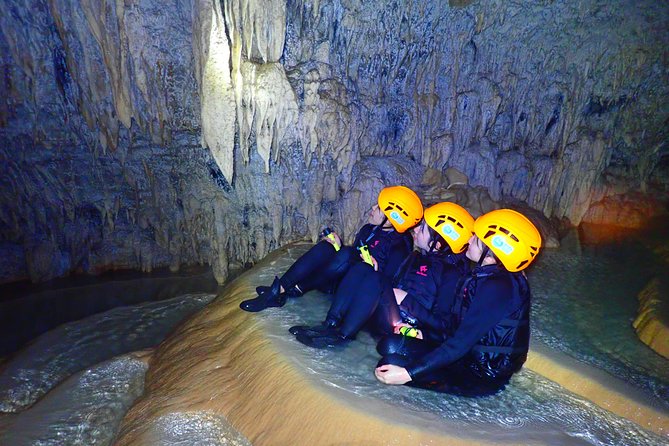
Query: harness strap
point(374, 230)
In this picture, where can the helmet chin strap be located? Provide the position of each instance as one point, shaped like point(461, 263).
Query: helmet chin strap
point(433, 242)
point(382, 224)
point(484, 253)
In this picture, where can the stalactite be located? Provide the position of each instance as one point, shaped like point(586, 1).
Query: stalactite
point(218, 100)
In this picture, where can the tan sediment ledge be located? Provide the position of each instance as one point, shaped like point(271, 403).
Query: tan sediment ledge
point(651, 324)
point(595, 385)
point(222, 362)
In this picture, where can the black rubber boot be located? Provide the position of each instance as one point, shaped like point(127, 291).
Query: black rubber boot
point(328, 325)
point(291, 292)
point(272, 298)
point(326, 340)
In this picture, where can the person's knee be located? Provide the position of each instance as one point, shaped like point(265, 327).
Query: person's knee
point(346, 254)
point(389, 345)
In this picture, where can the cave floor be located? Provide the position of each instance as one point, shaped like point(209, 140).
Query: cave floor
point(248, 369)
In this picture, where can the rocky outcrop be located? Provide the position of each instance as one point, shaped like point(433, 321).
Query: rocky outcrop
point(627, 210)
point(145, 134)
point(652, 322)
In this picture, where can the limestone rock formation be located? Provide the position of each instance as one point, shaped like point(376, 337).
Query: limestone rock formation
point(151, 134)
point(628, 210)
point(652, 322)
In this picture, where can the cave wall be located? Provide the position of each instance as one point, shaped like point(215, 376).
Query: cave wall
point(143, 134)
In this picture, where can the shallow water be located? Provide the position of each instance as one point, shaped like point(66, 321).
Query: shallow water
point(565, 317)
point(27, 310)
point(75, 346)
point(584, 303)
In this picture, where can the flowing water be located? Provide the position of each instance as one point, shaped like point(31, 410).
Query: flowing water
point(27, 310)
point(584, 302)
point(74, 383)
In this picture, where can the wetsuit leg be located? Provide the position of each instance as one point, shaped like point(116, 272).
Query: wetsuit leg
point(460, 379)
point(312, 261)
point(386, 314)
point(363, 292)
point(347, 290)
point(329, 274)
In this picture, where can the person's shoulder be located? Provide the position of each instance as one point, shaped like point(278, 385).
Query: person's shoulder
point(449, 260)
point(400, 239)
point(365, 229)
point(499, 278)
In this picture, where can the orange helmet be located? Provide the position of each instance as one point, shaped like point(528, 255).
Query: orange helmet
point(511, 236)
point(402, 207)
point(452, 222)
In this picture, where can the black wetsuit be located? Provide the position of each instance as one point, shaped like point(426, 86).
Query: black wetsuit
point(366, 298)
point(486, 337)
point(322, 267)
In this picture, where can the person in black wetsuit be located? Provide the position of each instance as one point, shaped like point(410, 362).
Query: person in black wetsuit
point(384, 304)
point(486, 333)
point(323, 266)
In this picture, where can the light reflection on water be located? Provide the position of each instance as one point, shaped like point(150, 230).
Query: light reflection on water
point(75, 346)
point(584, 304)
point(572, 294)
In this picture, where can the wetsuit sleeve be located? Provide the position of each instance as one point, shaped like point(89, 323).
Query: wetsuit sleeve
point(362, 234)
point(489, 306)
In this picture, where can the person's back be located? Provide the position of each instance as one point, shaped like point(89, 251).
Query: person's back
point(503, 349)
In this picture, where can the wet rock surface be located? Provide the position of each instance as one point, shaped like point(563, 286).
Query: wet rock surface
point(143, 134)
point(84, 409)
point(652, 323)
point(34, 371)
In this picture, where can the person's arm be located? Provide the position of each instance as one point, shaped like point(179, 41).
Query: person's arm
point(489, 306)
point(362, 234)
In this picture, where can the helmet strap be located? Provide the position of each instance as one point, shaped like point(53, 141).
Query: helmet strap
point(382, 224)
point(484, 253)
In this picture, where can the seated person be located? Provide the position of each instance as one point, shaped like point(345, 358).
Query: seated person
point(323, 266)
point(366, 298)
point(486, 335)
